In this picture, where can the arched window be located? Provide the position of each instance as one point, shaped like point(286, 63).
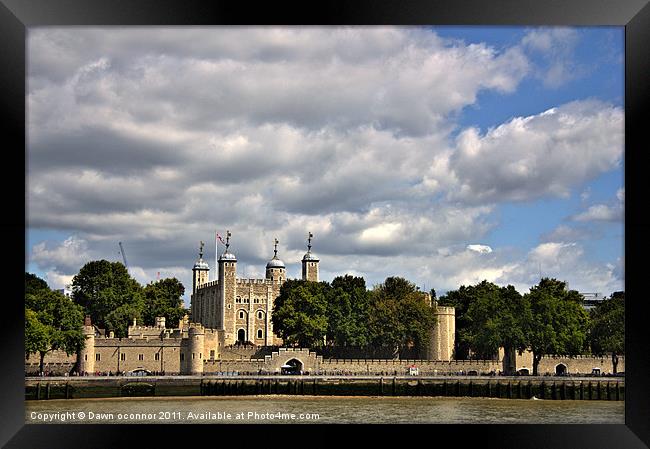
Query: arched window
point(260, 315)
point(260, 334)
point(241, 314)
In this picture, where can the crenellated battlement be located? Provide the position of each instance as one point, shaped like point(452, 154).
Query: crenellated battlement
point(144, 328)
point(253, 281)
point(444, 310)
point(208, 284)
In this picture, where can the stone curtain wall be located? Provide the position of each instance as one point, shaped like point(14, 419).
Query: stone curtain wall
point(401, 367)
point(256, 360)
point(582, 364)
point(56, 362)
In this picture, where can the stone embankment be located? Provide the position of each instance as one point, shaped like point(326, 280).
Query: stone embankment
point(525, 387)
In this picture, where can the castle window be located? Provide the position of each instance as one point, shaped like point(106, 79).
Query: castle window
point(182, 356)
point(157, 356)
point(260, 334)
point(122, 357)
point(238, 300)
point(230, 306)
point(200, 355)
point(260, 315)
point(241, 314)
point(192, 356)
point(140, 356)
point(97, 357)
point(212, 354)
point(86, 357)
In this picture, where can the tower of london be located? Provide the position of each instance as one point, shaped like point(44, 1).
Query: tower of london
point(240, 307)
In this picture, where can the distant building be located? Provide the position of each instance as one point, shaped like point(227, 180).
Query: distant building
point(592, 299)
point(66, 290)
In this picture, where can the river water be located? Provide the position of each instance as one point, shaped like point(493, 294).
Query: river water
point(314, 409)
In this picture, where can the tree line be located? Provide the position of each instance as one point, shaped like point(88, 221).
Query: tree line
point(102, 290)
point(392, 316)
point(549, 319)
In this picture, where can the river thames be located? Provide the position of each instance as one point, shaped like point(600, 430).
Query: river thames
point(324, 409)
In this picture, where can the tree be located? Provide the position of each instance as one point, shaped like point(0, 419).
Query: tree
point(164, 298)
point(559, 323)
point(348, 312)
point(496, 319)
point(461, 300)
point(105, 288)
point(34, 284)
point(400, 316)
point(607, 334)
point(56, 323)
point(300, 313)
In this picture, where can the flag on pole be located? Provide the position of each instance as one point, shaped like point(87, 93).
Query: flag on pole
point(220, 239)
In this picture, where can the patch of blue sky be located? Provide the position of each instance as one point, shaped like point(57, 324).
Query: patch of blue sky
point(603, 189)
point(499, 37)
point(595, 71)
point(35, 236)
point(520, 224)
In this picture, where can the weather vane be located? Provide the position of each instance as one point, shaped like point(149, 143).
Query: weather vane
point(309, 242)
point(275, 250)
point(201, 250)
point(228, 234)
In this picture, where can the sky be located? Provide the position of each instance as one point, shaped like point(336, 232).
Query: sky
point(445, 155)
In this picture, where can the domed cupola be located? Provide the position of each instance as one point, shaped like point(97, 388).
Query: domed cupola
point(275, 269)
point(200, 271)
point(310, 263)
point(309, 255)
point(275, 262)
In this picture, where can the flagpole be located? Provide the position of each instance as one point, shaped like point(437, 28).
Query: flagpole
point(216, 254)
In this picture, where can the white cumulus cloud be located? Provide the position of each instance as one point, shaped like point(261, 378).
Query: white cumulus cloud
point(483, 249)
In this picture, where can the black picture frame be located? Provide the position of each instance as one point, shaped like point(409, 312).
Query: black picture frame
point(634, 15)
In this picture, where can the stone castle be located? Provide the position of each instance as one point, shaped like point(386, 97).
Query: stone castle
point(230, 330)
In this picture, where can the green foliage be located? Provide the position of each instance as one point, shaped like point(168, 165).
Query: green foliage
point(348, 311)
point(495, 319)
point(108, 294)
point(300, 313)
point(607, 333)
point(52, 322)
point(400, 316)
point(164, 298)
point(37, 334)
point(559, 323)
point(119, 319)
point(394, 315)
point(34, 284)
point(461, 300)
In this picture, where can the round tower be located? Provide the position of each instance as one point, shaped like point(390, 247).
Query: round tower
point(443, 334)
point(275, 269)
point(200, 272)
point(196, 336)
point(87, 353)
point(310, 263)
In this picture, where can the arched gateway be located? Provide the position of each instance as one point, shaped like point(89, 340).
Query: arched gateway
point(293, 366)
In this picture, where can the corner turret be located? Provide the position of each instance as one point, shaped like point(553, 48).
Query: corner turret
point(310, 263)
point(200, 271)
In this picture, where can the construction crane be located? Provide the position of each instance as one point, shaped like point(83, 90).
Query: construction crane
point(124, 256)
